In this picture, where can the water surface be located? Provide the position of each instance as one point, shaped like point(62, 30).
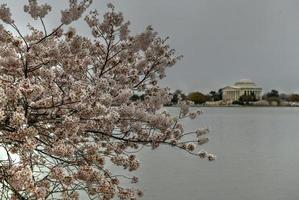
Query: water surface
point(257, 159)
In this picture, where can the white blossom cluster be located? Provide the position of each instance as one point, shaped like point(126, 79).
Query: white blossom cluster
point(5, 14)
point(66, 110)
point(37, 11)
point(75, 11)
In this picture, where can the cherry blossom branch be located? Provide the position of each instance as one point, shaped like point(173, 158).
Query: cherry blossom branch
point(44, 27)
point(47, 36)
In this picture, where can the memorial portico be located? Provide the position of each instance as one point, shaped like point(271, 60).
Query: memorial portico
point(242, 87)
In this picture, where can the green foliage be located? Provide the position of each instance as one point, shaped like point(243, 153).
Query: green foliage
point(272, 97)
point(216, 96)
point(198, 97)
point(236, 103)
point(245, 99)
point(175, 96)
point(293, 98)
point(273, 93)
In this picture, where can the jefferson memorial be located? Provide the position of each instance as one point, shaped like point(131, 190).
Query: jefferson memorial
point(242, 87)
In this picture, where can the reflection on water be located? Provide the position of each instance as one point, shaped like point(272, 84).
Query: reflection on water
point(257, 159)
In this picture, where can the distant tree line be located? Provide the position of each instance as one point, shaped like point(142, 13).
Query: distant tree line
point(278, 98)
point(198, 97)
point(273, 97)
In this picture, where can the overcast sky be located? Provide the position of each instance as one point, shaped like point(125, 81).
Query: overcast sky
point(222, 40)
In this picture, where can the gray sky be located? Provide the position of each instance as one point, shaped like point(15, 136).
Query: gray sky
point(222, 41)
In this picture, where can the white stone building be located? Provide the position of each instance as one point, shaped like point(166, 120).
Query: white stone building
point(242, 87)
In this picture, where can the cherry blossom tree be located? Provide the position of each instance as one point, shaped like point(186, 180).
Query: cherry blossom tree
point(65, 110)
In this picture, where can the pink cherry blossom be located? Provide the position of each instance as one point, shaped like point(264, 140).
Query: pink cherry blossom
point(66, 113)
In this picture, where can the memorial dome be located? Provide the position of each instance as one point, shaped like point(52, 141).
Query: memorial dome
point(245, 83)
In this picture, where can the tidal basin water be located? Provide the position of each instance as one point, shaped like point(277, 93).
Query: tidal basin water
point(257, 159)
